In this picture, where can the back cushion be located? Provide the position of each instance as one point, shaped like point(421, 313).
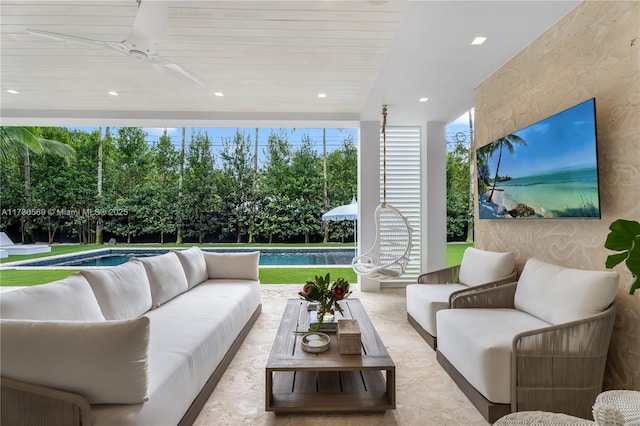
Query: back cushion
point(105, 361)
point(556, 294)
point(166, 277)
point(239, 266)
point(194, 265)
point(481, 266)
point(122, 291)
point(67, 299)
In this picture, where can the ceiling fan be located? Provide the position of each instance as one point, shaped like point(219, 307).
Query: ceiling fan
point(149, 26)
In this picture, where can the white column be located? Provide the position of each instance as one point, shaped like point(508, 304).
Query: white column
point(433, 253)
point(368, 192)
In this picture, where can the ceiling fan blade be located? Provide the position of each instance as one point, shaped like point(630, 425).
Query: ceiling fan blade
point(69, 38)
point(149, 26)
point(163, 64)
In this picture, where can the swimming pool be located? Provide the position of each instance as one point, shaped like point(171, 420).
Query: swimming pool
point(268, 257)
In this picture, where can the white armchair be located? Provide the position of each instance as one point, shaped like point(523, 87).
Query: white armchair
point(479, 269)
point(536, 345)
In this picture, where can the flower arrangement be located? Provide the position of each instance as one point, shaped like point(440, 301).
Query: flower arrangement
point(326, 293)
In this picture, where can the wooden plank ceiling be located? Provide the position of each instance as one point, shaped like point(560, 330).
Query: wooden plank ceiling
point(264, 56)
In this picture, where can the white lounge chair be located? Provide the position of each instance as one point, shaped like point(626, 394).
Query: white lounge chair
point(7, 245)
point(479, 269)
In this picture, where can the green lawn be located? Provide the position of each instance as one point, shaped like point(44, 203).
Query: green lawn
point(12, 277)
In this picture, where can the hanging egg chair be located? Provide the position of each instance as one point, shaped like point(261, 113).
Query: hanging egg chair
point(389, 256)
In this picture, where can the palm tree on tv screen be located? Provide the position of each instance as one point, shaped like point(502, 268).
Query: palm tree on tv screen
point(508, 143)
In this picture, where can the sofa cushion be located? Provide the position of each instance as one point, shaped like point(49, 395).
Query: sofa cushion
point(557, 294)
point(478, 344)
point(166, 277)
point(425, 300)
point(209, 318)
point(67, 299)
point(481, 266)
point(194, 265)
point(122, 291)
point(239, 266)
point(105, 361)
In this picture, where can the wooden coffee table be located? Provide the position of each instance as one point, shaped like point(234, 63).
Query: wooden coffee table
point(302, 382)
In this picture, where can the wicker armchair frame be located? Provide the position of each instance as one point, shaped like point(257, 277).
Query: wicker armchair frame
point(24, 404)
point(451, 275)
point(559, 368)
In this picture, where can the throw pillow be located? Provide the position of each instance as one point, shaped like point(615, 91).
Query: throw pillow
point(556, 294)
point(194, 265)
point(240, 266)
point(122, 291)
point(104, 361)
point(67, 299)
point(166, 277)
point(480, 266)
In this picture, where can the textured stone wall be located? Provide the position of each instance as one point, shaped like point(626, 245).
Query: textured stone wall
point(590, 52)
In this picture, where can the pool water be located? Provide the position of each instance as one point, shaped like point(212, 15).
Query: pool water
point(278, 257)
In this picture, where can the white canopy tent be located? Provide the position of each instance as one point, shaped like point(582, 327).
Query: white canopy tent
point(344, 212)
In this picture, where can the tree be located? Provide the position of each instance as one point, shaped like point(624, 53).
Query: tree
point(100, 200)
point(252, 218)
point(180, 186)
point(15, 141)
point(134, 161)
point(459, 193)
point(273, 218)
point(163, 187)
point(19, 142)
point(238, 200)
point(342, 183)
point(11, 192)
point(505, 142)
point(459, 211)
point(199, 188)
point(305, 189)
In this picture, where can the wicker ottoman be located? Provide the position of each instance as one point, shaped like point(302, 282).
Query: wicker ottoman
point(526, 418)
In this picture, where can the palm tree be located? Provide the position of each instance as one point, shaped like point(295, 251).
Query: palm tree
point(180, 183)
point(506, 142)
point(16, 142)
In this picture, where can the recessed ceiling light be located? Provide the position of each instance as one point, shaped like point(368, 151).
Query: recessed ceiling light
point(113, 93)
point(478, 40)
point(218, 94)
point(13, 92)
point(322, 95)
point(423, 99)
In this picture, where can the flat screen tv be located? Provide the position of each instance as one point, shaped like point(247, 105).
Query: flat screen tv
point(546, 170)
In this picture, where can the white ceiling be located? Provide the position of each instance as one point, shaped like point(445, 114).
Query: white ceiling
point(269, 58)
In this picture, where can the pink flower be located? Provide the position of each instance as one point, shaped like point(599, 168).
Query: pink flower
point(338, 293)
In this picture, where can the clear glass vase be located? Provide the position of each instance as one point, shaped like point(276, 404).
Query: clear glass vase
point(325, 315)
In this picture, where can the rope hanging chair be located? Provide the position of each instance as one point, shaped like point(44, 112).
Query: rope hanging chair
point(389, 256)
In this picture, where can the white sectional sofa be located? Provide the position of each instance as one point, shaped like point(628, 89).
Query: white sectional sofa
point(539, 344)
point(142, 343)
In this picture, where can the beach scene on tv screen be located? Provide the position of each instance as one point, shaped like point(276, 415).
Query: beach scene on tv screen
point(546, 170)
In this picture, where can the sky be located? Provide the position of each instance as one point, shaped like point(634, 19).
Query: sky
point(563, 141)
point(458, 129)
point(334, 136)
